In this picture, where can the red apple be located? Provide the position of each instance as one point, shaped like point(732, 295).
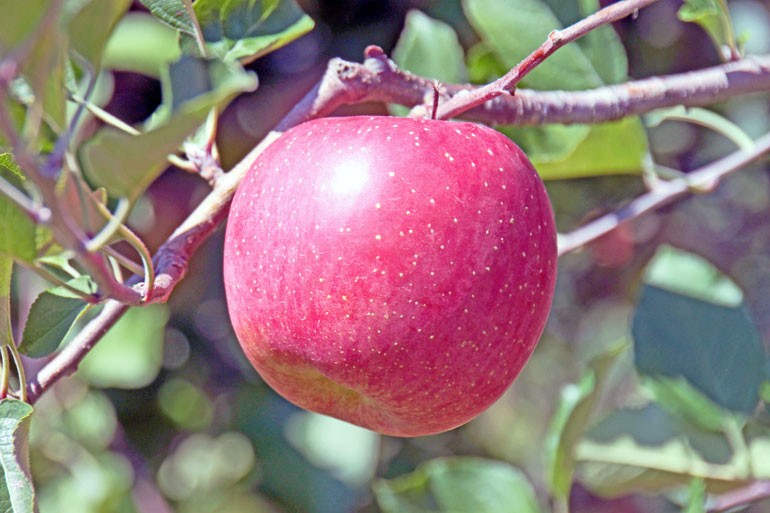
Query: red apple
point(393, 273)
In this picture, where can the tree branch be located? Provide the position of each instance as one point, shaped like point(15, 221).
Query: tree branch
point(756, 491)
point(556, 39)
point(705, 179)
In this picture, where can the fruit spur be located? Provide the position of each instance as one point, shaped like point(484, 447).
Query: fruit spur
point(395, 273)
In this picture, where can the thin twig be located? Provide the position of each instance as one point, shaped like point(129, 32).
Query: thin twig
point(756, 491)
point(199, 39)
point(705, 179)
point(556, 39)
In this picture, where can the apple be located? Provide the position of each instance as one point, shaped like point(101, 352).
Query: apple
point(394, 273)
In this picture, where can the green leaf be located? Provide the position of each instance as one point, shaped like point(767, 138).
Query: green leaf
point(689, 274)
point(603, 48)
point(247, 29)
point(173, 13)
point(458, 485)
point(430, 48)
point(570, 421)
point(650, 449)
point(6, 331)
point(127, 164)
point(140, 43)
point(15, 29)
point(43, 69)
point(715, 348)
point(17, 231)
point(483, 66)
point(576, 151)
point(714, 17)
point(17, 494)
point(52, 316)
point(515, 28)
point(91, 27)
point(131, 353)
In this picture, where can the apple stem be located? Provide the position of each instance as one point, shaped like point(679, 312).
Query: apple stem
point(436, 86)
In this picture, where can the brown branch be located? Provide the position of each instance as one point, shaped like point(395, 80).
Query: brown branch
point(67, 361)
point(705, 179)
point(556, 39)
point(756, 491)
point(379, 79)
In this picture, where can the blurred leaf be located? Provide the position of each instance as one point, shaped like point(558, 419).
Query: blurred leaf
point(483, 65)
point(649, 449)
point(705, 118)
point(185, 404)
point(17, 231)
point(603, 47)
point(16, 494)
point(131, 353)
point(43, 68)
point(689, 274)
point(570, 421)
point(458, 485)
point(15, 29)
point(91, 420)
point(127, 164)
point(91, 27)
point(173, 13)
point(52, 316)
point(348, 452)
point(430, 48)
point(714, 17)
point(515, 28)
point(248, 29)
point(141, 44)
point(575, 151)
point(714, 347)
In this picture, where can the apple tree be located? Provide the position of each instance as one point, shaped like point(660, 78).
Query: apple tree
point(400, 195)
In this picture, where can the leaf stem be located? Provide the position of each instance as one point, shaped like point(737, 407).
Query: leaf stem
point(197, 26)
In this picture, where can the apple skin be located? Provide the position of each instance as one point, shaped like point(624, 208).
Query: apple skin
point(394, 273)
